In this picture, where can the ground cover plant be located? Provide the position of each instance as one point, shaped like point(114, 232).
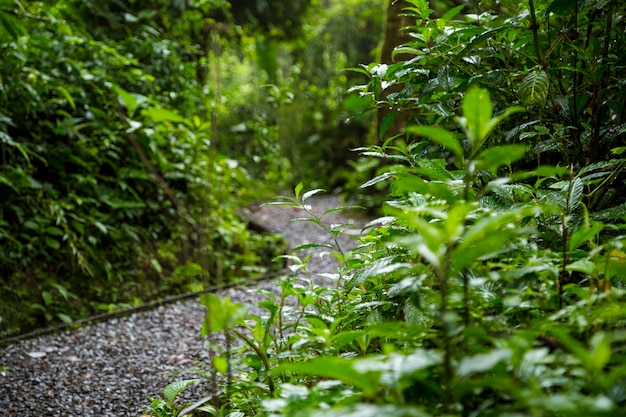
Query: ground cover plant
point(493, 283)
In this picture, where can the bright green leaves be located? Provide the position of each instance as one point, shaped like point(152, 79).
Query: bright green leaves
point(477, 121)
point(449, 239)
point(371, 374)
point(131, 101)
point(440, 136)
point(221, 314)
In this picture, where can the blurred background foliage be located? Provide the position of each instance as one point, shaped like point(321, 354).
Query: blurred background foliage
point(133, 131)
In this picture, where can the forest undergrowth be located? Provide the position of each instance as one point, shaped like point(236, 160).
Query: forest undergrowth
point(493, 282)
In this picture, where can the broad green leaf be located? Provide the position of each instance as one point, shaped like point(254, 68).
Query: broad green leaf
point(46, 297)
point(453, 12)
point(64, 318)
point(369, 410)
point(220, 363)
point(439, 135)
point(159, 115)
point(583, 265)
point(535, 87)
point(380, 178)
point(52, 243)
point(584, 234)
point(433, 169)
point(386, 123)
point(221, 313)
point(335, 368)
point(488, 236)
point(429, 242)
point(483, 362)
point(600, 346)
point(477, 110)
point(341, 339)
point(54, 231)
point(493, 158)
point(396, 366)
point(313, 246)
point(129, 100)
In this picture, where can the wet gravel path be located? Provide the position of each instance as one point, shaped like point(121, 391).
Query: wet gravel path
point(112, 368)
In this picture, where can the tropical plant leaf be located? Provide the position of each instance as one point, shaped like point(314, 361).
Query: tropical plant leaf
point(439, 135)
point(534, 88)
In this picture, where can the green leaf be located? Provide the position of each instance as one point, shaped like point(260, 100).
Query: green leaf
point(46, 297)
point(453, 12)
point(386, 123)
point(312, 246)
point(429, 241)
point(129, 100)
point(477, 110)
point(64, 318)
point(221, 313)
point(370, 410)
point(156, 265)
point(311, 193)
point(342, 208)
point(582, 265)
point(52, 243)
point(584, 234)
point(67, 96)
point(434, 169)
point(159, 115)
point(483, 362)
point(495, 157)
point(171, 391)
point(535, 87)
point(600, 345)
point(335, 368)
point(54, 231)
point(298, 189)
point(220, 364)
point(488, 236)
point(439, 135)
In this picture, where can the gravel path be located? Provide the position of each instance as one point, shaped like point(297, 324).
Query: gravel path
point(112, 368)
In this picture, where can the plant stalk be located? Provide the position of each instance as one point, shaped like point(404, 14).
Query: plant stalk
point(534, 26)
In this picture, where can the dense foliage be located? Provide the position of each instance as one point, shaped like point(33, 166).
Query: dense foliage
point(494, 283)
point(114, 186)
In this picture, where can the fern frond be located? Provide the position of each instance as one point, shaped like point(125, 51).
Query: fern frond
point(172, 390)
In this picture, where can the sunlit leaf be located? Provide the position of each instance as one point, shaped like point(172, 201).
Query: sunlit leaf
point(311, 193)
point(493, 158)
point(483, 362)
point(370, 410)
point(439, 135)
point(335, 368)
point(159, 115)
